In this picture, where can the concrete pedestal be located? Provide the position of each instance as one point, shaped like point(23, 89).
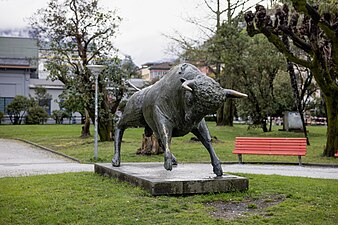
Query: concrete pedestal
point(184, 179)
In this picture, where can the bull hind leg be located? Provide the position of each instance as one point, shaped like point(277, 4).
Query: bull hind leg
point(117, 146)
point(202, 133)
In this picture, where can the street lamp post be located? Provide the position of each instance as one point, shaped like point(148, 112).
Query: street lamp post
point(96, 70)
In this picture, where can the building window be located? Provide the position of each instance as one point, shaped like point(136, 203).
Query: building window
point(4, 101)
point(46, 104)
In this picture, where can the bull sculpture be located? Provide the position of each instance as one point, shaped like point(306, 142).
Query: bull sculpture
point(173, 107)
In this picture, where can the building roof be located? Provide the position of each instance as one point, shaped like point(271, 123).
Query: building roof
point(46, 84)
point(138, 82)
point(161, 66)
point(15, 63)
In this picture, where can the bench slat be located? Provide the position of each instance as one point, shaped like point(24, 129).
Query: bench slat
point(269, 141)
point(264, 142)
point(263, 138)
point(270, 146)
point(257, 152)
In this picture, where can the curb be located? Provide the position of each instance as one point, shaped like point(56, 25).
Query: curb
point(49, 150)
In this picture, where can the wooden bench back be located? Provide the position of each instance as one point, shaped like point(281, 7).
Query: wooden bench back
point(270, 146)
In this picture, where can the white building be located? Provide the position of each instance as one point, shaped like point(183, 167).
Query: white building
point(20, 73)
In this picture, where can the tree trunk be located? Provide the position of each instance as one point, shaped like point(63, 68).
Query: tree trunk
point(219, 116)
point(104, 128)
point(104, 131)
point(332, 126)
point(229, 110)
point(150, 146)
point(264, 126)
point(225, 114)
point(85, 128)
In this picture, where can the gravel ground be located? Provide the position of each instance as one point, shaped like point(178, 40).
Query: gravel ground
point(20, 159)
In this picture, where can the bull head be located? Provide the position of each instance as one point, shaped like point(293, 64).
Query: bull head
point(228, 93)
point(204, 96)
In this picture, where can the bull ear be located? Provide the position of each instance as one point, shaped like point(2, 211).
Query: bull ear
point(187, 84)
point(234, 94)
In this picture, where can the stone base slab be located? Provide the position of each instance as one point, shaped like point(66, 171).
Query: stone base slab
point(184, 179)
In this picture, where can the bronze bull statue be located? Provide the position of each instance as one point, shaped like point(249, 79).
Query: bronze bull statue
point(173, 107)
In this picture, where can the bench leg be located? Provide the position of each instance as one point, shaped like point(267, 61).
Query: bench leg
point(240, 159)
point(300, 160)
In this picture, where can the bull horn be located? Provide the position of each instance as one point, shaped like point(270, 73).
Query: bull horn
point(187, 85)
point(234, 94)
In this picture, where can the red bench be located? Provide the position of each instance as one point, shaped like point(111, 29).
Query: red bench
point(270, 146)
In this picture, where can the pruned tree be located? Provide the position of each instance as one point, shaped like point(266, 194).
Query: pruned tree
point(76, 33)
point(315, 32)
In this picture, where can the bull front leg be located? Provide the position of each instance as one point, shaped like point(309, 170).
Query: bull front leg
point(202, 133)
point(165, 136)
point(117, 146)
point(173, 158)
point(162, 127)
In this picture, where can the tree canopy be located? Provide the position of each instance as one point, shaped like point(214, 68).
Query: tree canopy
point(74, 34)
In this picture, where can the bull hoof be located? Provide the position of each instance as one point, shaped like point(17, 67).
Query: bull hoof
point(168, 163)
point(218, 170)
point(115, 162)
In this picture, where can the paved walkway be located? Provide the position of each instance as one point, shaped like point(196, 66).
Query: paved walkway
point(21, 159)
point(294, 171)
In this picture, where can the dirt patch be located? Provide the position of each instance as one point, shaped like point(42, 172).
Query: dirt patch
point(248, 206)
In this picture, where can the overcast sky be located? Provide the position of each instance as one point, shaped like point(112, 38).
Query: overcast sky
point(141, 31)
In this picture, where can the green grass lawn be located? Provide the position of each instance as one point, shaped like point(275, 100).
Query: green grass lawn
point(87, 198)
point(66, 139)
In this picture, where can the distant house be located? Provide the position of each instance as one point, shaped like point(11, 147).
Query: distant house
point(154, 71)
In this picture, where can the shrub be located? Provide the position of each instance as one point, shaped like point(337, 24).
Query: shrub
point(17, 108)
point(36, 115)
point(59, 115)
